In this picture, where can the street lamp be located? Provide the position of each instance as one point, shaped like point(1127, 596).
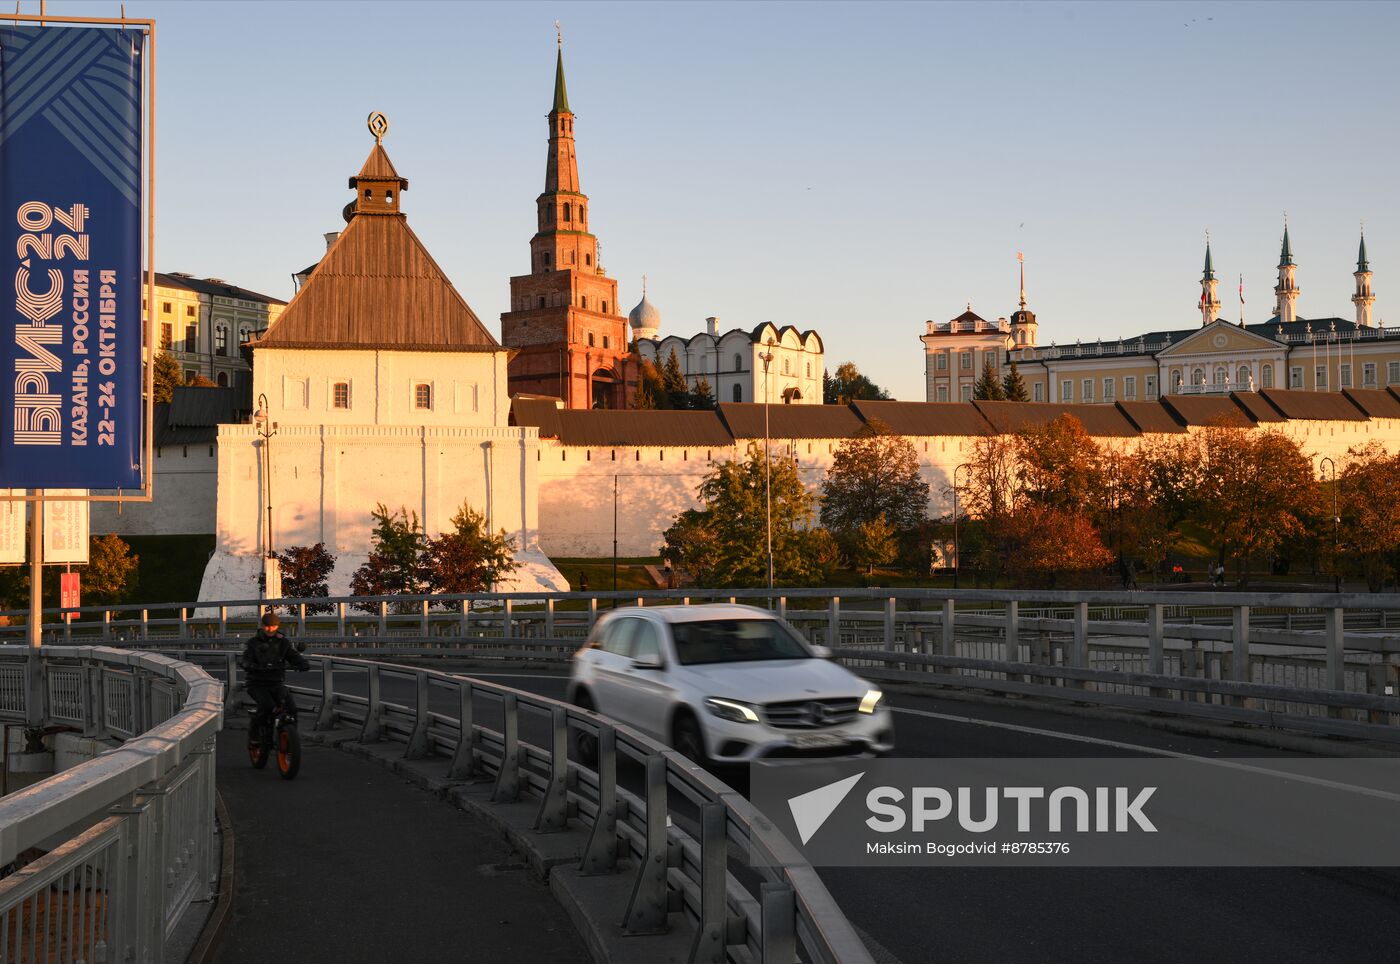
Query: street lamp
point(957, 557)
point(1336, 527)
point(266, 428)
point(767, 359)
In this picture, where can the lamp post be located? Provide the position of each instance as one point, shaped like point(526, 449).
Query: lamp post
point(957, 557)
point(767, 359)
point(614, 532)
point(266, 428)
point(1336, 527)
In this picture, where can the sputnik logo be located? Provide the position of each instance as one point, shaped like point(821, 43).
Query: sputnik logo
point(811, 809)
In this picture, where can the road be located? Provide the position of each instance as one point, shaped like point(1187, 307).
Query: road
point(1108, 915)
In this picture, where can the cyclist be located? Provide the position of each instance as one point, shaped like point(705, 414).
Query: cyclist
point(264, 662)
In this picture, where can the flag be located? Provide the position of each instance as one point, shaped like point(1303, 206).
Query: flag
point(1241, 289)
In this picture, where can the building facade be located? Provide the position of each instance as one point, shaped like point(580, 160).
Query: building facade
point(733, 362)
point(205, 322)
point(569, 338)
point(1217, 357)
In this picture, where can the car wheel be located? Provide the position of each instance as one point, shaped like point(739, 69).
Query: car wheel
point(688, 740)
point(585, 741)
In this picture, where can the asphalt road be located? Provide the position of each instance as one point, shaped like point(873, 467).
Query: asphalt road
point(1108, 915)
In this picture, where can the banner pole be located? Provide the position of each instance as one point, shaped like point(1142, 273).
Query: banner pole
point(34, 697)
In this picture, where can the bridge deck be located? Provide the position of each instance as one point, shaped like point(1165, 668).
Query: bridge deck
point(349, 863)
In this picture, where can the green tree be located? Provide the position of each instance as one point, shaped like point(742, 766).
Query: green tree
point(469, 558)
point(874, 544)
point(988, 387)
point(702, 397)
point(395, 565)
point(651, 388)
point(849, 385)
point(677, 392)
point(168, 376)
point(1014, 387)
point(110, 575)
point(874, 475)
point(304, 573)
point(723, 543)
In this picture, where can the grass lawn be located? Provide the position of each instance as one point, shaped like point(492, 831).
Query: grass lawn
point(599, 572)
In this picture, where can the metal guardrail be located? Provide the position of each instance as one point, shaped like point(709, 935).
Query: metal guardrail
point(129, 835)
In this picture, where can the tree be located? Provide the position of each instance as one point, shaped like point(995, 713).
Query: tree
point(874, 475)
point(1368, 503)
point(196, 380)
point(304, 572)
point(110, 575)
point(167, 377)
point(1060, 465)
point(874, 544)
point(849, 385)
point(651, 389)
point(724, 541)
point(1050, 546)
point(1014, 387)
point(1257, 492)
point(673, 381)
point(469, 558)
point(988, 387)
point(702, 397)
point(395, 564)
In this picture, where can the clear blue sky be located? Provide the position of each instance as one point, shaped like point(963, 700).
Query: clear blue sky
point(851, 168)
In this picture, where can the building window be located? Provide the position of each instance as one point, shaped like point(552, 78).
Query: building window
point(588, 262)
point(1368, 375)
point(1344, 376)
point(223, 380)
point(165, 307)
point(809, 369)
point(590, 339)
point(1108, 389)
point(1243, 376)
point(1198, 376)
point(1221, 375)
point(605, 341)
point(340, 395)
point(1176, 382)
point(567, 216)
point(967, 393)
point(1129, 387)
point(221, 339)
point(1038, 392)
point(541, 299)
point(167, 335)
point(1392, 373)
point(1295, 378)
point(190, 376)
point(1066, 391)
point(1320, 377)
point(965, 361)
point(243, 335)
point(942, 393)
point(605, 307)
point(191, 338)
point(583, 301)
point(1150, 387)
point(1266, 376)
point(1088, 390)
point(423, 396)
point(943, 361)
point(738, 393)
point(738, 362)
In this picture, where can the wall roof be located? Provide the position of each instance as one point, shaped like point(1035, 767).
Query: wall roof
point(744, 420)
point(1257, 407)
point(1375, 402)
point(1207, 410)
point(1321, 406)
point(1101, 420)
point(1150, 417)
point(210, 286)
point(925, 418)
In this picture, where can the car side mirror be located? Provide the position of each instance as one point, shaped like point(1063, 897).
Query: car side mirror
point(821, 652)
point(648, 662)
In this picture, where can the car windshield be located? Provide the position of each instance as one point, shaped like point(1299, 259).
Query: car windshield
point(735, 641)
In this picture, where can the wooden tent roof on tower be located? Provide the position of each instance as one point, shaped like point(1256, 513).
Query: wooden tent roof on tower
point(377, 287)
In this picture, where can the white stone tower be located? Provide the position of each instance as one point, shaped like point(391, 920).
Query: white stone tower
point(1286, 291)
point(1364, 297)
point(1210, 298)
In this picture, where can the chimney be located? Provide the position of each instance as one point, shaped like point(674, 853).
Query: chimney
point(712, 325)
point(330, 238)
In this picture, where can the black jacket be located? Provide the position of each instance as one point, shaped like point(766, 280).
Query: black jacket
point(266, 656)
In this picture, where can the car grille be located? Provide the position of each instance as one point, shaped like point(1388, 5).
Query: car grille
point(811, 714)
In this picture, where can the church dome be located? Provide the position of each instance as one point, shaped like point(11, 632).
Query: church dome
point(644, 319)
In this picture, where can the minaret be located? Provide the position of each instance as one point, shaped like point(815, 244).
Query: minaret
point(573, 343)
point(1364, 297)
point(1023, 325)
point(1286, 291)
point(1210, 300)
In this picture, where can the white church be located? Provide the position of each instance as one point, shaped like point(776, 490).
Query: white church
point(378, 384)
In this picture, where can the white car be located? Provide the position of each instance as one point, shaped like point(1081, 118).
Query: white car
point(725, 684)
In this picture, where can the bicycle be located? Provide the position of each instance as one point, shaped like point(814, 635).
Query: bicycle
point(284, 738)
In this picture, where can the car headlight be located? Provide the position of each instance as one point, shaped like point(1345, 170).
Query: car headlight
point(731, 710)
point(871, 701)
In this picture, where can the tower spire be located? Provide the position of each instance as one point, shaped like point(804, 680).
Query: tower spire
point(1210, 300)
point(1364, 297)
point(561, 92)
point(1021, 259)
point(1286, 290)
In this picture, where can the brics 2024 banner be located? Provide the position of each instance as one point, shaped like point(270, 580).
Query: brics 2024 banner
point(70, 200)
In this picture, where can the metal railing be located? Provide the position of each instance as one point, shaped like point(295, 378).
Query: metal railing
point(105, 858)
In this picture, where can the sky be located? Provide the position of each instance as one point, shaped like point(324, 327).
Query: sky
point(857, 169)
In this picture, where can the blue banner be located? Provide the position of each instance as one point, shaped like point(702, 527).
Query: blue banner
point(70, 200)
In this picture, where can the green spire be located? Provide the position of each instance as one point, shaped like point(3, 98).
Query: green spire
point(1285, 256)
point(561, 93)
point(1361, 263)
point(1209, 273)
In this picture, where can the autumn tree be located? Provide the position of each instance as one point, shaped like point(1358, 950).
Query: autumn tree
point(1060, 465)
point(395, 564)
point(651, 387)
point(110, 574)
point(673, 382)
point(723, 543)
point(1053, 547)
point(304, 573)
point(166, 378)
point(874, 475)
point(469, 557)
point(988, 387)
point(1368, 503)
point(849, 385)
point(1013, 386)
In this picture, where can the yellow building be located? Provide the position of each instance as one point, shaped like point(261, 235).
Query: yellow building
point(204, 322)
point(1218, 357)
